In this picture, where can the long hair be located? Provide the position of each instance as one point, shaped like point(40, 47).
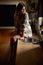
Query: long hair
point(20, 26)
point(20, 6)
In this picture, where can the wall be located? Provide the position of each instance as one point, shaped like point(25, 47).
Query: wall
point(11, 1)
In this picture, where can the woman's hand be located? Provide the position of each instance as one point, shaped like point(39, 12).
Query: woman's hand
point(18, 37)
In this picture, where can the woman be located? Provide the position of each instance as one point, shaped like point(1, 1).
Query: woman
point(23, 29)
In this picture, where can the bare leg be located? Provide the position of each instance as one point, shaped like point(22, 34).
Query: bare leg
point(13, 46)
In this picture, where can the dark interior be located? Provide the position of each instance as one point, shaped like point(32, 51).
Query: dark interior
point(7, 15)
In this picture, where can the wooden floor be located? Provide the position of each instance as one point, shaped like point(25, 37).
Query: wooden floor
point(29, 54)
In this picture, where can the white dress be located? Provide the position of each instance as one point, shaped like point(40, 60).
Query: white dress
point(26, 24)
point(27, 27)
